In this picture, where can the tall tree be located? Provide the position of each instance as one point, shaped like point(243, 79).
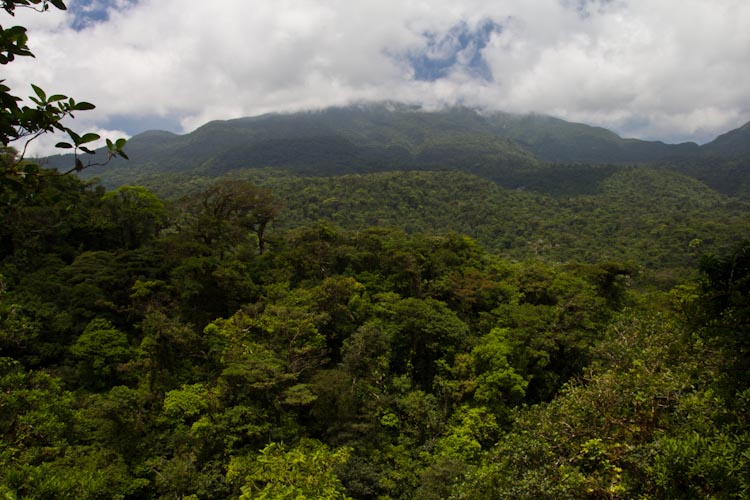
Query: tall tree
point(223, 214)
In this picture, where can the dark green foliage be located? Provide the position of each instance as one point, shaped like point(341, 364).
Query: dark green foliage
point(723, 313)
point(357, 344)
point(133, 215)
point(644, 422)
point(99, 350)
point(652, 219)
point(168, 356)
point(730, 176)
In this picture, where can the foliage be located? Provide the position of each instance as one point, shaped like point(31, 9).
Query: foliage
point(655, 221)
point(219, 215)
point(134, 212)
point(167, 356)
point(99, 349)
point(305, 471)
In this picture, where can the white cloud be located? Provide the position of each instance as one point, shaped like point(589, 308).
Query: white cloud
point(673, 69)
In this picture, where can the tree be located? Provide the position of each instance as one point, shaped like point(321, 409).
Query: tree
point(99, 349)
point(423, 331)
point(135, 215)
point(305, 471)
point(21, 122)
point(723, 314)
point(222, 215)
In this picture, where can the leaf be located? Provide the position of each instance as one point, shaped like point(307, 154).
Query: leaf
point(14, 33)
point(56, 97)
point(64, 145)
point(86, 150)
point(39, 92)
point(83, 106)
point(59, 4)
point(89, 138)
point(120, 143)
point(75, 137)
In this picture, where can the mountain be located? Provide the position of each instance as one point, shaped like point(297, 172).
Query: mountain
point(733, 143)
point(332, 141)
point(555, 140)
point(506, 148)
point(723, 164)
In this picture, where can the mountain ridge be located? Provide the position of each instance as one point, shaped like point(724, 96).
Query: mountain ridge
point(500, 146)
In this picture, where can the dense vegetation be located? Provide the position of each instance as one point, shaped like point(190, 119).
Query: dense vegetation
point(219, 346)
point(657, 220)
point(342, 337)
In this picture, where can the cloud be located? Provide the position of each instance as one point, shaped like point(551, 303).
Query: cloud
point(672, 70)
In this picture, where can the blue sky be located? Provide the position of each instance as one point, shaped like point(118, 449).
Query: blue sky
point(87, 12)
point(674, 70)
point(461, 46)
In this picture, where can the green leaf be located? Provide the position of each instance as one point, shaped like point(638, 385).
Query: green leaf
point(14, 33)
point(84, 106)
point(56, 97)
point(59, 4)
point(120, 143)
point(64, 145)
point(89, 138)
point(39, 92)
point(74, 137)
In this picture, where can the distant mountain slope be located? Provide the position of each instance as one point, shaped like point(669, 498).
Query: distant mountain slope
point(328, 142)
point(734, 143)
point(506, 148)
point(723, 164)
point(555, 140)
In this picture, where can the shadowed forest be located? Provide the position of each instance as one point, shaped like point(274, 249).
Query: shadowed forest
point(395, 335)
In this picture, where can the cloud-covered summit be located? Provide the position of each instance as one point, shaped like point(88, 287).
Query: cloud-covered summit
point(673, 70)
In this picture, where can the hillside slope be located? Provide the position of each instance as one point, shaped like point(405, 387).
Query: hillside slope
point(329, 142)
point(533, 152)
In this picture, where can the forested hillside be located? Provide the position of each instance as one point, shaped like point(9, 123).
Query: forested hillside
point(375, 301)
point(511, 150)
point(655, 219)
point(342, 337)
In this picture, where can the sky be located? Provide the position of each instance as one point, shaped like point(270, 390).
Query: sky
point(671, 70)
